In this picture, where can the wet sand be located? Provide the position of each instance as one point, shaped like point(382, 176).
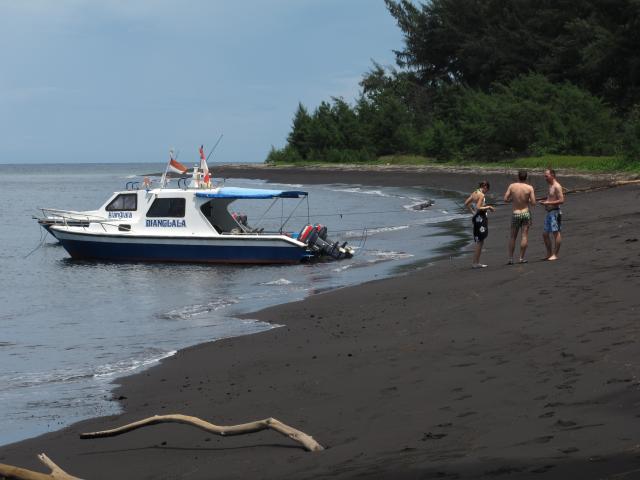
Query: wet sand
point(524, 371)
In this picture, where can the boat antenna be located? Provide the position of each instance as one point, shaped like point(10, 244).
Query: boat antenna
point(214, 147)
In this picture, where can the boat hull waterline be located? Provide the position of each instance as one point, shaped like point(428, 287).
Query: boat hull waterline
point(184, 250)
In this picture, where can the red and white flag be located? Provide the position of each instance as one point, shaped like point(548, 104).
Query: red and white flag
point(176, 166)
point(203, 166)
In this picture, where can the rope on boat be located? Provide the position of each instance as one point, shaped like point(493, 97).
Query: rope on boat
point(41, 242)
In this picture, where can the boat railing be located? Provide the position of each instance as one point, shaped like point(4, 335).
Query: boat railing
point(55, 214)
point(73, 218)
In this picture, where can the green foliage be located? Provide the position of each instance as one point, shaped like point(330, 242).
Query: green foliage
point(489, 80)
point(631, 137)
point(593, 44)
point(288, 154)
point(530, 115)
point(441, 141)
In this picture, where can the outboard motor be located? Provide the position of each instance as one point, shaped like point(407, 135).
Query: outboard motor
point(308, 235)
point(315, 236)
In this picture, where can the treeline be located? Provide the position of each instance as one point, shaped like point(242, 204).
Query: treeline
point(488, 80)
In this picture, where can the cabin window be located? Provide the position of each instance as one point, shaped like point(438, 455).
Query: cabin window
point(127, 202)
point(167, 207)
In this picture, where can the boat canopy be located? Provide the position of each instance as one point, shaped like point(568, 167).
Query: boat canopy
point(239, 193)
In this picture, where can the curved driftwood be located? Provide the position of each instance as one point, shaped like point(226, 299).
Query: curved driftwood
point(269, 423)
point(17, 473)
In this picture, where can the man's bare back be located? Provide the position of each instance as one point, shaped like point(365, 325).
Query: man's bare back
point(521, 195)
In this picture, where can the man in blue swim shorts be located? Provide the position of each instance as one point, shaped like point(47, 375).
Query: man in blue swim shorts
point(553, 219)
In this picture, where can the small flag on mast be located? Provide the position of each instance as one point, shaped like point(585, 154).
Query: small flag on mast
point(176, 166)
point(204, 167)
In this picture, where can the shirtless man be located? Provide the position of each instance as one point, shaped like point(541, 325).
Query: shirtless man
point(521, 195)
point(553, 220)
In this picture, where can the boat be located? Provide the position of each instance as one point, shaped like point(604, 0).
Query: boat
point(188, 223)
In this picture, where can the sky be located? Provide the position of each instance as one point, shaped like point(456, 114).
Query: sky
point(127, 80)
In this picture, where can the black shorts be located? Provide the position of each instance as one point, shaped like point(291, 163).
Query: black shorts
point(480, 226)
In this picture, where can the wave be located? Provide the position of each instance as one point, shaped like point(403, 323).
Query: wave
point(130, 365)
point(342, 268)
point(373, 231)
point(384, 255)
point(280, 281)
point(189, 311)
point(71, 375)
point(446, 217)
point(378, 193)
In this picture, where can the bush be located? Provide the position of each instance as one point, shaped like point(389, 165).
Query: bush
point(440, 141)
point(344, 155)
point(287, 154)
point(531, 115)
point(630, 144)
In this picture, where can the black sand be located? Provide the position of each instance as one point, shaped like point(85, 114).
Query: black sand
point(525, 371)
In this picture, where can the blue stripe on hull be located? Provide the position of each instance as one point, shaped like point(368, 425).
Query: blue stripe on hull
point(181, 253)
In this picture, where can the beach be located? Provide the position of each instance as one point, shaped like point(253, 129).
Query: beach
point(523, 371)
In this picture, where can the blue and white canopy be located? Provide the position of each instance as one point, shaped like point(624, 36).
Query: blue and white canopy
point(238, 193)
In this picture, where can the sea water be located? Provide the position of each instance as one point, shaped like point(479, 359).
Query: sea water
point(69, 328)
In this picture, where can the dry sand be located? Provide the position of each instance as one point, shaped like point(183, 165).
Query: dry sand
point(524, 371)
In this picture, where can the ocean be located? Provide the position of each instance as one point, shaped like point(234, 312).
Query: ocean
point(68, 328)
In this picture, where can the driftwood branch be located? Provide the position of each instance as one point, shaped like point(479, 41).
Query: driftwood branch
point(269, 423)
point(16, 473)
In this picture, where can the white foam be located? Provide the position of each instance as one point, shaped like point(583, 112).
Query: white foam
point(71, 375)
point(446, 217)
point(130, 365)
point(189, 311)
point(342, 268)
point(373, 231)
point(280, 281)
point(389, 255)
point(378, 193)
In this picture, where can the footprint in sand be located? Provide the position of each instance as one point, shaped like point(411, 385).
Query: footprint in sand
point(467, 414)
point(506, 470)
point(543, 469)
point(569, 450)
point(463, 397)
point(565, 423)
point(432, 436)
point(543, 439)
point(618, 380)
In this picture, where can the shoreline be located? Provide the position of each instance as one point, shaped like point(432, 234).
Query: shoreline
point(399, 386)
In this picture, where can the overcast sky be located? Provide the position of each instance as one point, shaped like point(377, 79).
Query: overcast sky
point(125, 80)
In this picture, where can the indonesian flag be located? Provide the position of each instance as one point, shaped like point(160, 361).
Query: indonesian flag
point(203, 166)
point(176, 166)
